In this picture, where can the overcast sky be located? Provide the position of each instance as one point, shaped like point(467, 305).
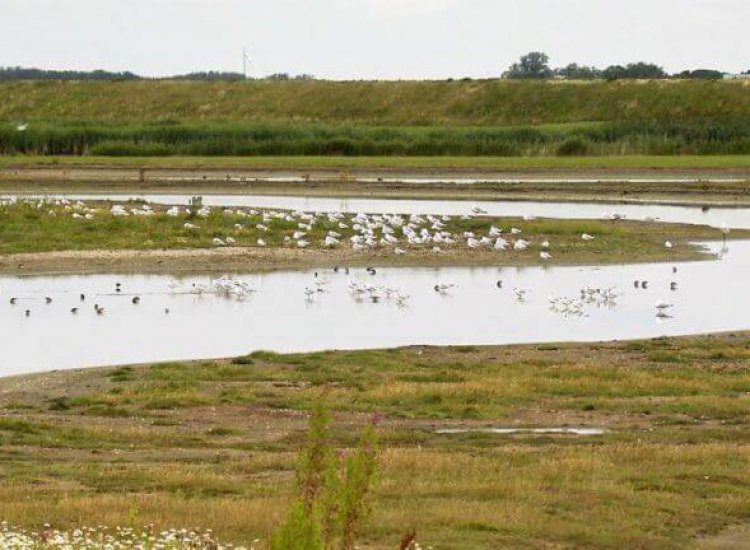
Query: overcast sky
point(355, 39)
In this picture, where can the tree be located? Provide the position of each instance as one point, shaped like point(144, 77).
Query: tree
point(638, 70)
point(574, 71)
point(533, 65)
point(703, 74)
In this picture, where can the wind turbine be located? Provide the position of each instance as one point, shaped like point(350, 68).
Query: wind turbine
point(245, 62)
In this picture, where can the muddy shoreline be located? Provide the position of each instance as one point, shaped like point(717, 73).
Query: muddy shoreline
point(699, 188)
point(227, 260)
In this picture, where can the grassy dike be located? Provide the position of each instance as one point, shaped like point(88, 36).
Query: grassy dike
point(427, 118)
point(418, 103)
point(213, 443)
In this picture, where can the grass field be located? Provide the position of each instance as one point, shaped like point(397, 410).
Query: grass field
point(484, 103)
point(212, 443)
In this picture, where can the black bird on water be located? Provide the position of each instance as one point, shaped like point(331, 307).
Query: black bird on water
point(74, 310)
point(48, 300)
point(499, 284)
point(13, 301)
point(28, 313)
point(83, 297)
point(137, 300)
point(371, 270)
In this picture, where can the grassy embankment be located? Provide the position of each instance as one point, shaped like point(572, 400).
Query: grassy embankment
point(483, 118)
point(213, 443)
point(28, 228)
point(476, 103)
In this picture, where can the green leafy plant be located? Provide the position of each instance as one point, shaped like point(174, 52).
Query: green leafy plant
point(333, 490)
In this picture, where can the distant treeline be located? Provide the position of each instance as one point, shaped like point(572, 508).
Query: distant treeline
point(21, 73)
point(535, 65)
point(226, 139)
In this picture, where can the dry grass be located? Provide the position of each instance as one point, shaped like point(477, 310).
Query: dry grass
point(212, 444)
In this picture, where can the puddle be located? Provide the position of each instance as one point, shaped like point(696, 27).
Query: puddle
point(533, 431)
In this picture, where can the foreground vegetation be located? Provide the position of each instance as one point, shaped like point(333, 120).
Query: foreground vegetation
point(214, 443)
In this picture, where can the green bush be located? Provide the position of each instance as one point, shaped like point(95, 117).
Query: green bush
point(333, 491)
point(571, 147)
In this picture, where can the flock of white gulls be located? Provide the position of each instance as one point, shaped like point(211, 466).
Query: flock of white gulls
point(389, 232)
point(368, 231)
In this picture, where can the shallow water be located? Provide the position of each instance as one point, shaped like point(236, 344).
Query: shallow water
point(712, 296)
point(521, 431)
point(432, 180)
point(738, 218)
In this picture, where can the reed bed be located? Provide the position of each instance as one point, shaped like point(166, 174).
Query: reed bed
point(237, 140)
